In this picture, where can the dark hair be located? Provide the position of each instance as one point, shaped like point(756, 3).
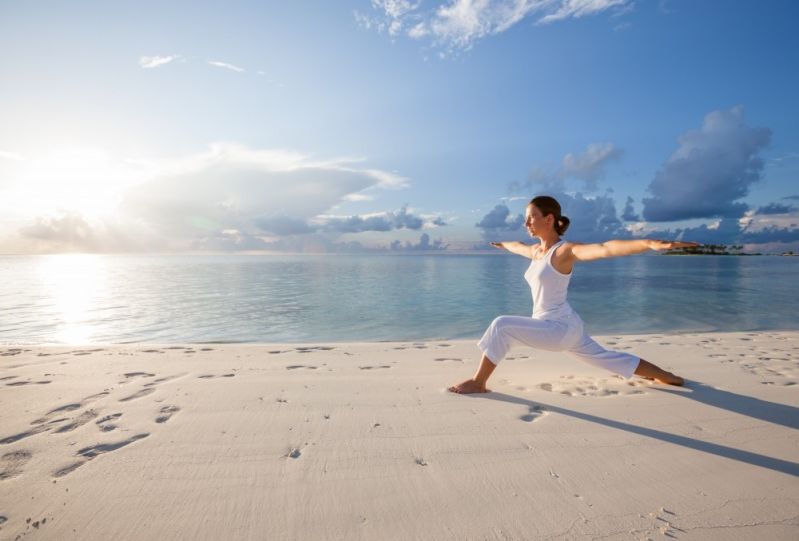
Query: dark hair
point(548, 205)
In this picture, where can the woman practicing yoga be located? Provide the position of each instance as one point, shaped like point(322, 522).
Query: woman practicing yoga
point(554, 325)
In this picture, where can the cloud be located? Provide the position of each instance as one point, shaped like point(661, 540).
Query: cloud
point(775, 208)
point(72, 232)
point(424, 245)
point(582, 8)
point(225, 65)
point(230, 195)
point(6, 155)
point(593, 219)
point(284, 225)
point(382, 221)
point(148, 62)
point(588, 167)
point(235, 187)
point(712, 169)
point(499, 220)
point(233, 240)
point(792, 197)
point(354, 197)
point(456, 25)
point(628, 214)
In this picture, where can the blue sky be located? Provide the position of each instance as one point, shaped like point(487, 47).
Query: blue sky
point(394, 125)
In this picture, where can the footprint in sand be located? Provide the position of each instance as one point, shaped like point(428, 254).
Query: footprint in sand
point(166, 412)
point(209, 376)
point(28, 382)
point(310, 349)
point(11, 463)
point(42, 424)
point(60, 409)
point(90, 453)
point(105, 423)
point(374, 367)
point(137, 394)
point(164, 379)
point(570, 386)
point(534, 413)
point(78, 421)
point(448, 359)
point(8, 377)
point(136, 374)
point(23, 435)
point(295, 366)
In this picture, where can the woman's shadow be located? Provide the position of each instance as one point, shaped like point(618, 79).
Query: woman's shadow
point(763, 410)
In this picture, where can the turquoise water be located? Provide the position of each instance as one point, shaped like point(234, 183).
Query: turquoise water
point(177, 299)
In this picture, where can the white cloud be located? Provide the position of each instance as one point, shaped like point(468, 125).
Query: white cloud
point(5, 155)
point(355, 197)
point(588, 166)
point(196, 202)
point(226, 66)
point(156, 61)
point(418, 31)
point(456, 25)
point(581, 8)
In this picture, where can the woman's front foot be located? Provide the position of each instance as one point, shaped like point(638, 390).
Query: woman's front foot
point(649, 371)
point(469, 386)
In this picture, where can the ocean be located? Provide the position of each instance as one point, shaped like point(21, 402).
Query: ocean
point(104, 299)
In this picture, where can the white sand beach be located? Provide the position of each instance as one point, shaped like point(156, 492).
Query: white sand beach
point(362, 441)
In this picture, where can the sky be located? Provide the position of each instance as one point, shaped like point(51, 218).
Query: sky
point(394, 126)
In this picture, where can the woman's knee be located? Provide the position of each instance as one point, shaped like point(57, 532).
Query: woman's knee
point(500, 322)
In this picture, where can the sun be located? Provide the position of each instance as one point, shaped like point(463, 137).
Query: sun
point(86, 181)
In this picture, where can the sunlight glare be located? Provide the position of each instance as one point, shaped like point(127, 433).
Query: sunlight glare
point(73, 282)
point(82, 180)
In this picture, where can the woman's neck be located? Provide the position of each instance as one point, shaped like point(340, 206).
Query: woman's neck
point(548, 242)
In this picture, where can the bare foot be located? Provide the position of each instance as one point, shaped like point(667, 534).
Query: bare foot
point(467, 387)
point(649, 371)
point(670, 379)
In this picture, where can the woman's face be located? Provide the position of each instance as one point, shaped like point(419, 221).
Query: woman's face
point(534, 221)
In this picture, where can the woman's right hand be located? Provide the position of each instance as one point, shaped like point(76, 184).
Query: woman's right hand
point(497, 245)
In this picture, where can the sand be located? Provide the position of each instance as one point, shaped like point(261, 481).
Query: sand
point(362, 441)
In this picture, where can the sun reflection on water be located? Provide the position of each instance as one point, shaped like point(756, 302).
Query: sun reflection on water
point(74, 282)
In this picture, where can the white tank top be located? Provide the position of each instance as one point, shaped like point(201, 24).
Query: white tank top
point(549, 287)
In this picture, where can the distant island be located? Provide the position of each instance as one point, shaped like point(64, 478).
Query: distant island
point(711, 249)
point(718, 249)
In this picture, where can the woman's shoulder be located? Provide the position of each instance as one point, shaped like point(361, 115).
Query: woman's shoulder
point(565, 249)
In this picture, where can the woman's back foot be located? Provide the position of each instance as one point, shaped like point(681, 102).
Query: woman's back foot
point(467, 387)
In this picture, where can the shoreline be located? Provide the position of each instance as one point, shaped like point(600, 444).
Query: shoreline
point(475, 339)
point(361, 440)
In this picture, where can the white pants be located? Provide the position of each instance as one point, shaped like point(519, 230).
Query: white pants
point(505, 332)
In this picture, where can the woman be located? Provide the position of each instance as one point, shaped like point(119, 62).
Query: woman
point(554, 325)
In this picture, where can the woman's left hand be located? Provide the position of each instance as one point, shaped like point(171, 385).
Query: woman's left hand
point(670, 244)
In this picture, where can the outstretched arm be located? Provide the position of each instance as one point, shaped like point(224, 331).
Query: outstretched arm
point(519, 248)
point(617, 248)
